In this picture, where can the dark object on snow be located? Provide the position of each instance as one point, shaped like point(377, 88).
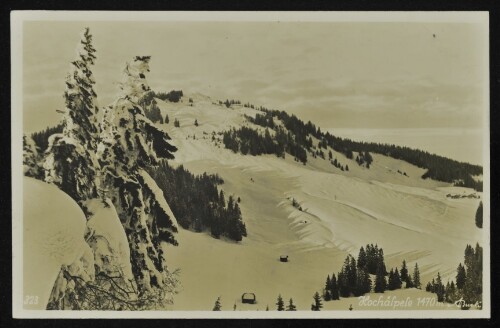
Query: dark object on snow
point(284, 258)
point(248, 298)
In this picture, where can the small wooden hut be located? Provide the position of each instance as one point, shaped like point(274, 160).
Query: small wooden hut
point(248, 298)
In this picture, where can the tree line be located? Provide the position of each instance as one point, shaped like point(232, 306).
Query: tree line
point(467, 288)
point(197, 204)
point(438, 167)
point(354, 278)
point(249, 141)
point(41, 138)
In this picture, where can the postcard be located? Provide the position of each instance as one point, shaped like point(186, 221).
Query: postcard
point(250, 164)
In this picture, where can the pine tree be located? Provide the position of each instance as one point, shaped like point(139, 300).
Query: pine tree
point(391, 283)
point(317, 305)
point(439, 288)
point(217, 305)
point(177, 123)
point(327, 293)
point(291, 306)
point(280, 305)
point(334, 288)
point(167, 120)
point(479, 215)
point(344, 281)
point(352, 273)
point(363, 282)
point(409, 282)
point(362, 260)
point(130, 143)
point(460, 278)
point(450, 292)
point(381, 261)
point(196, 122)
point(416, 277)
point(70, 160)
point(404, 272)
point(380, 281)
point(397, 279)
point(473, 288)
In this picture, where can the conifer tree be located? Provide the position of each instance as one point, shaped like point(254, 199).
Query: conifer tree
point(473, 287)
point(362, 260)
point(404, 272)
point(327, 293)
point(479, 215)
point(317, 305)
point(451, 292)
point(460, 278)
point(391, 282)
point(334, 288)
point(409, 282)
point(217, 305)
point(397, 279)
point(167, 120)
point(291, 306)
point(380, 260)
point(352, 273)
point(280, 305)
point(380, 281)
point(416, 277)
point(70, 160)
point(363, 282)
point(129, 144)
point(439, 288)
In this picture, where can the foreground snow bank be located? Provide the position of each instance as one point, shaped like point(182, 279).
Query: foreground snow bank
point(53, 236)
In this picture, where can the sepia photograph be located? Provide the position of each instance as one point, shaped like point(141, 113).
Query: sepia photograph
point(250, 164)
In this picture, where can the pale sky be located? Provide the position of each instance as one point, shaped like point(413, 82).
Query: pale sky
point(338, 75)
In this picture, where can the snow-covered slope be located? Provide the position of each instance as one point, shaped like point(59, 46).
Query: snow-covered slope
point(409, 217)
point(54, 227)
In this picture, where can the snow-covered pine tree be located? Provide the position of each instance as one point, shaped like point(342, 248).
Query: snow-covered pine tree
point(70, 160)
point(129, 143)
